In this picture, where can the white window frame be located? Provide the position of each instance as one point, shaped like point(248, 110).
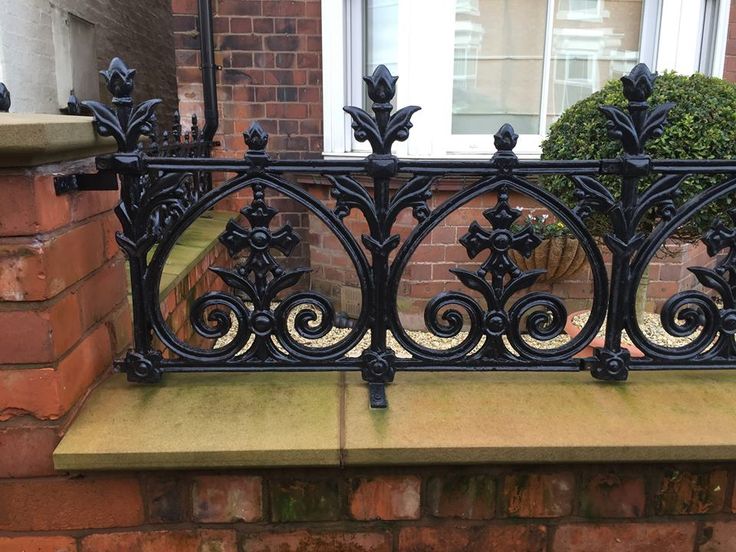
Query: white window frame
point(428, 80)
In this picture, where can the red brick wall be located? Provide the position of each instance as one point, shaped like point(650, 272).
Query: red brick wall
point(729, 67)
point(556, 508)
point(271, 54)
point(271, 57)
point(176, 306)
point(63, 310)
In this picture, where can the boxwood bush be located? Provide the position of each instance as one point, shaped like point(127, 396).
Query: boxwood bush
point(702, 125)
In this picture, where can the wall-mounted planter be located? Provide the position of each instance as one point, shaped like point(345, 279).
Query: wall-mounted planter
point(560, 256)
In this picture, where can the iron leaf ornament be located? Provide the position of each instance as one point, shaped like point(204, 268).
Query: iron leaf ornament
point(383, 129)
point(640, 124)
point(125, 122)
point(260, 277)
point(633, 128)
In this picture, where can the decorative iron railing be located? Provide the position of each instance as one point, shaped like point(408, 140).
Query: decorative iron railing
point(269, 326)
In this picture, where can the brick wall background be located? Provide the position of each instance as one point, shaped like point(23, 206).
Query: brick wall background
point(271, 57)
point(557, 508)
point(177, 304)
point(729, 68)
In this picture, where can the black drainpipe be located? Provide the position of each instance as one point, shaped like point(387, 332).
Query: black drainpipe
point(209, 69)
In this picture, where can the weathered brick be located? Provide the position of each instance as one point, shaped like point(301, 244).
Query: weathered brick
point(38, 544)
point(120, 326)
point(539, 494)
point(283, 7)
point(282, 43)
point(613, 494)
point(625, 537)
point(295, 500)
point(50, 504)
point(162, 541)
point(48, 393)
point(718, 536)
point(102, 292)
point(166, 499)
point(25, 451)
point(41, 335)
point(35, 270)
point(306, 541)
point(184, 6)
point(385, 497)
point(249, 42)
point(284, 25)
point(462, 496)
point(239, 7)
point(682, 492)
point(522, 538)
point(30, 206)
point(224, 499)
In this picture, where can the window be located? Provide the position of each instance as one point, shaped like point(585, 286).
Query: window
point(516, 61)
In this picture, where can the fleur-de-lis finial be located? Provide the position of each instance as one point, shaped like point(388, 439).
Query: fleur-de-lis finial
point(256, 139)
point(381, 85)
point(383, 129)
point(4, 98)
point(640, 124)
point(125, 123)
point(120, 80)
point(639, 84)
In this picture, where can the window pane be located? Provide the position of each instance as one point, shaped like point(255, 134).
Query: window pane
point(382, 32)
point(593, 41)
point(499, 47)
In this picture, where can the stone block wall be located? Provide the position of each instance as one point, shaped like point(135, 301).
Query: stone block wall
point(555, 508)
point(138, 31)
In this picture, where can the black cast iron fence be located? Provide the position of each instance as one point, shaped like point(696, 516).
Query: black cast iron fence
point(263, 318)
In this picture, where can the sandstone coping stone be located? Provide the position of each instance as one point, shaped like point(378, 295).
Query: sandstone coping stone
point(280, 419)
point(31, 139)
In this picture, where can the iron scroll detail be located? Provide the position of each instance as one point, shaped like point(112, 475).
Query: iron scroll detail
point(266, 315)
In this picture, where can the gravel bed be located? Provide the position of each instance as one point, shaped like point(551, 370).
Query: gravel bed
point(649, 322)
point(426, 339)
point(651, 327)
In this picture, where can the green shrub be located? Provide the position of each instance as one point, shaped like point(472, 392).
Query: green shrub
point(702, 125)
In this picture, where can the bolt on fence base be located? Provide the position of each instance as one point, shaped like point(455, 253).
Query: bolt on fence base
point(377, 394)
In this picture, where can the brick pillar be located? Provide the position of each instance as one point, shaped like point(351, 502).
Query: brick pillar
point(63, 308)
